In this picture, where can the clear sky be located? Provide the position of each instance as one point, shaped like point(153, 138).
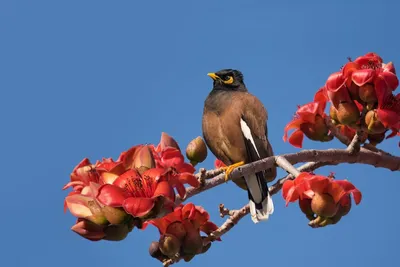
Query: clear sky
point(92, 78)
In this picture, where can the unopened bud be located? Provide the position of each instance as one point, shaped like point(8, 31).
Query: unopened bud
point(324, 205)
point(374, 125)
point(367, 93)
point(144, 160)
point(116, 232)
point(115, 215)
point(169, 245)
point(196, 151)
point(348, 113)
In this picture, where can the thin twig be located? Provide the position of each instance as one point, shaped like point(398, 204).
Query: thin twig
point(284, 164)
point(354, 146)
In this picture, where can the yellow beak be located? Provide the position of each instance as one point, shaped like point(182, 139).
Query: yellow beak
point(213, 76)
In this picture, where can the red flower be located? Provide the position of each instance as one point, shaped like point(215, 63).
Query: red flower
point(389, 112)
point(139, 194)
point(362, 80)
point(381, 75)
point(80, 179)
point(309, 120)
point(180, 231)
point(196, 215)
point(322, 199)
point(168, 156)
point(81, 176)
point(306, 185)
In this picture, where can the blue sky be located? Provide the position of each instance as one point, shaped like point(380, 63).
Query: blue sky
point(92, 78)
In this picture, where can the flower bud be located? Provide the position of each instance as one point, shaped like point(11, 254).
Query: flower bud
point(367, 93)
point(206, 247)
point(348, 113)
point(188, 257)
point(144, 160)
point(196, 151)
point(192, 243)
point(176, 229)
point(324, 205)
point(116, 232)
point(155, 252)
point(305, 206)
point(373, 123)
point(317, 131)
point(89, 230)
point(115, 215)
point(354, 91)
point(333, 113)
point(169, 245)
point(167, 141)
point(375, 139)
point(344, 210)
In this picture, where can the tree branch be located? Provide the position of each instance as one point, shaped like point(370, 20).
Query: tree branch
point(325, 157)
point(317, 158)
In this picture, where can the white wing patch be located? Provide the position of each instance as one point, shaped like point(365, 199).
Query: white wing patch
point(247, 133)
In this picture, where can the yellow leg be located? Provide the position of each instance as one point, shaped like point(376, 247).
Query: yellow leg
point(230, 168)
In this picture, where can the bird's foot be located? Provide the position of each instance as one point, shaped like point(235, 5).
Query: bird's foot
point(230, 168)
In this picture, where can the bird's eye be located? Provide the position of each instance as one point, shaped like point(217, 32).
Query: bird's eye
point(227, 79)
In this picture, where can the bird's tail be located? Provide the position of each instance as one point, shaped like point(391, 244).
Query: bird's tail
point(261, 204)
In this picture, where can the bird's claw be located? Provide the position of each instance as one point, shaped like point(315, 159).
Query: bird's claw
point(230, 168)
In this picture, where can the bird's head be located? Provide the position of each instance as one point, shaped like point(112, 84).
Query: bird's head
point(228, 80)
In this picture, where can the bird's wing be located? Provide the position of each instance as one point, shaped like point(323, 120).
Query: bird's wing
point(255, 116)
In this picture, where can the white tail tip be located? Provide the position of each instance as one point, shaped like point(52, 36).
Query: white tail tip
point(261, 215)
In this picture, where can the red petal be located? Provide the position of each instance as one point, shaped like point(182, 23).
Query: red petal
point(289, 192)
point(127, 157)
point(393, 133)
point(164, 189)
point(124, 179)
point(188, 178)
point(336, 191)
point(350, 188)
point(78, 205)
point(339, 95)
point(391, 79)
point(181, 190)
point(389, 67)
point(172, 157)
point(321, 96)
point(388, 117)
point(111, 195)
point(348, 69)
point(296, 139)
point(308, 111)
point(208, 228)
point(318, 183)
point(335, 81)
point(294, 124)
point(363, 76)
point(185, 167)
point(74, 183)
point(138, 207)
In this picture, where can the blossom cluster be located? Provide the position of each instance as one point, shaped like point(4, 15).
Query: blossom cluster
point(110, 198)
point(361, 97)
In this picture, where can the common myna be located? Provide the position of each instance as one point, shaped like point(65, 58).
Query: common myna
point(235, 130)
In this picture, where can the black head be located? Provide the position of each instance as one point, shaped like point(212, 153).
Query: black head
point(228, 80)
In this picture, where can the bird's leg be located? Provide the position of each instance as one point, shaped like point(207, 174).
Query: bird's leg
point(230, 168)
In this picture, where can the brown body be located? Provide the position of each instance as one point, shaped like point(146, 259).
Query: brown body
point(223, 111)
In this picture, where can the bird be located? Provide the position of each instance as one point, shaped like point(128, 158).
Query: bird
point(234, 127)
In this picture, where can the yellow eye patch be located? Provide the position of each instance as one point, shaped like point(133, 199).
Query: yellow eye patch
point(228, 80)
